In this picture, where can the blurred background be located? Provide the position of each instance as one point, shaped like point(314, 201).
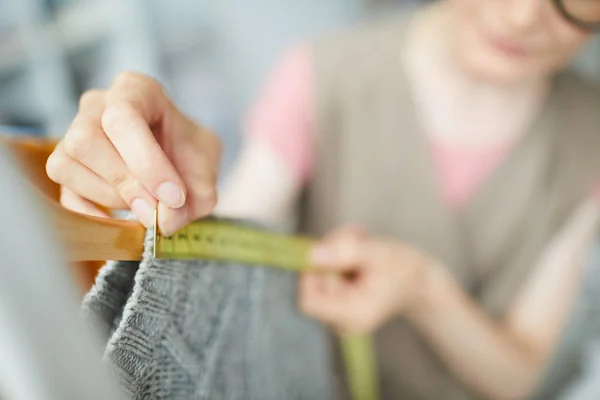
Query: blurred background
point(211, 55)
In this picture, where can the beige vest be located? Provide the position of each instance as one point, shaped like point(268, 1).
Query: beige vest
point(374, 168)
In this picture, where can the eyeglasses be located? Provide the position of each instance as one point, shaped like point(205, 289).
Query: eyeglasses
point(584, 14)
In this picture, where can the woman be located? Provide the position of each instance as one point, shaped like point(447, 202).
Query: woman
point(395, 128)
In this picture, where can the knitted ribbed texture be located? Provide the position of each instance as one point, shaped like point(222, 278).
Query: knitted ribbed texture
point(207, 330)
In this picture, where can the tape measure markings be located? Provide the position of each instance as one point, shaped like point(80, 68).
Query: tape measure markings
point(220, 240)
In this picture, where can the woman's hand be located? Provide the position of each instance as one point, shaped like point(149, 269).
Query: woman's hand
point(358, 283)
point(129, 147)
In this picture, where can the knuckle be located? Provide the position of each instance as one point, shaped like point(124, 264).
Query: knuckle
point(153, 86)
point(206, 162)
point(125, 185)
point(209, 196)
point(135, 79)
point(215, 143)
point(115, 113)
point(127, 78)
point(121, 182)
point(90, 97)
point(78, 141)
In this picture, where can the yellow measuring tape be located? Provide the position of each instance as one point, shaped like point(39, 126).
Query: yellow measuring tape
point(224, 240)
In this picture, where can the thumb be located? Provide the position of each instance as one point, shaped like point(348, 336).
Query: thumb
point(196, 157)
point(172, 219)
point(343, 254)
point(200, 201)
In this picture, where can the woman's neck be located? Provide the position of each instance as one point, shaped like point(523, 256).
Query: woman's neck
point(456, 106)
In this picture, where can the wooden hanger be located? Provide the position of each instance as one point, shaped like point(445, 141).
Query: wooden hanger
point(86, 238)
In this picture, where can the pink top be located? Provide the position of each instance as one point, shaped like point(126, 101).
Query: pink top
point(284, 117)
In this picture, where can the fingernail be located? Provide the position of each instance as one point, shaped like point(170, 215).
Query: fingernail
point(143, 210)
point(170, 194)
point(320, 255)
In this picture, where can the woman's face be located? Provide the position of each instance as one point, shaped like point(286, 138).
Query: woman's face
point(511, 40)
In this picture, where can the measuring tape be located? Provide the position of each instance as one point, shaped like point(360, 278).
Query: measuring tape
point(225, 240)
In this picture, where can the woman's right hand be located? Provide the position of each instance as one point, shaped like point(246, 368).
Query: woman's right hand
point(129, 147)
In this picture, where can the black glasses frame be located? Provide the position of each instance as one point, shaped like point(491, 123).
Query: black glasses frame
point(585, 25)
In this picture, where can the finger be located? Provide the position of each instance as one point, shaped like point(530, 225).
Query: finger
point(319, 301)
point(328, 310)
point(333, 283)
point(92, 103)
point(199, 169)
point(200, 172)
point(86, 143)
point(314, 288)
point(70, 200)
point(134, 104)
point(65, 171)
point(311, 293)
point(342, 251)
point(170, 220)
point(349, 311)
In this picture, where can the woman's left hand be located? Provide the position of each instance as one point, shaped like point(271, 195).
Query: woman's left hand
point(358, 282)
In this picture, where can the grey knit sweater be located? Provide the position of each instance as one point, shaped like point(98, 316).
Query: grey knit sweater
point(207, 330)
